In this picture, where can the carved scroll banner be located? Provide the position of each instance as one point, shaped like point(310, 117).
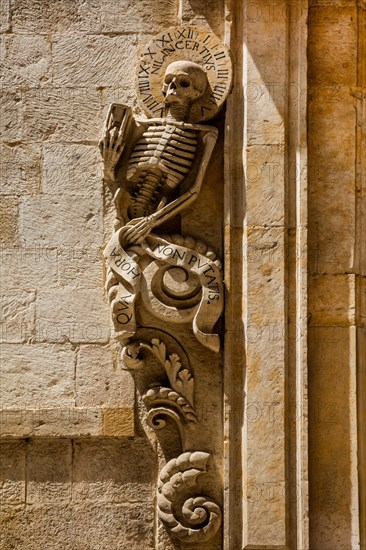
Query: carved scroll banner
point(155, 168)
point(129, 271)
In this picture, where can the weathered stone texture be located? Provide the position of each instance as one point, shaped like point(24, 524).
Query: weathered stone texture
point(20, 169)
point(9, 220)
point(77, 315)
point(61, 113)
point(85, 480)
point(31, 266)
point(26, 60)
point(204, 13)
point(49, 471)
point(335, 297)
point(100, 380)
point(74, 169)
point(32, 375)
point(10, 114)
point(12, 472)
point(93, 61)
point(96, 16)
point(4, 15)
point(61, 221)
point(17, 316)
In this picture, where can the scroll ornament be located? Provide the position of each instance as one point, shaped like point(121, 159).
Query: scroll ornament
point(189, 518)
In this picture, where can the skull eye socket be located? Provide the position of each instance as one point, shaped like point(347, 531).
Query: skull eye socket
point(184, 82)
point(168, 79)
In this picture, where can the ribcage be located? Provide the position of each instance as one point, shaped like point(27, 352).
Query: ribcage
point(166, 151)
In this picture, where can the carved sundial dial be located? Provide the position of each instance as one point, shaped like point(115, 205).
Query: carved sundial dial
point(191, 44)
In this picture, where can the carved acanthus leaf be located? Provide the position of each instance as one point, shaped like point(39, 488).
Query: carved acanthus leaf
point(179, 377)
point(166, 396)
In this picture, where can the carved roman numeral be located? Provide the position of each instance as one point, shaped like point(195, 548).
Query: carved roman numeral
point(144, 86)
point(163, 40)
point(219, 91)
point(223, 73)
point(220, 55)
point(144, 71)
point(150, 53)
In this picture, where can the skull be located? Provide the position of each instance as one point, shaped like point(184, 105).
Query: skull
point(184, 82)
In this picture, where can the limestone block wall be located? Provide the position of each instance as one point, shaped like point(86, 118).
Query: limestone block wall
point(77, 470)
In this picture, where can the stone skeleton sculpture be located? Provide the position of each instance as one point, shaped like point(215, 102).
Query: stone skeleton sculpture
point(164, 154)
point(155, 168)
point(159, 154)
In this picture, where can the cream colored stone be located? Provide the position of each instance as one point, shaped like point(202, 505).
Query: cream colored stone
point(331, 169)
point(36, 375)
point(49, 471)
point(48, 419)
point(80, 266)
point(98, 16)
point(60, 113)
point(100, 380)
point(10, 113)
point(4, 15)
point(93, 60)
point(82, 526)
point(75, 316)
point(330, 441)
point(20, 169)
point(265, 89)
point(332, 300)
point(31, 266)
point(264, 172)
point(123, 478)
point(204, 14)
point(17, 316)
point(61, 221)
point(9, 221)
point(25, 59)
point(76, 169)
point(266, 483)
point(12, 472)
point(55, 252)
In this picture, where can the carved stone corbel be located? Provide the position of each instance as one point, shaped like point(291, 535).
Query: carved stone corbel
point(155, 168)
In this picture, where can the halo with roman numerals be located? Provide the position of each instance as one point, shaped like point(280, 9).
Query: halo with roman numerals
point(189, 44)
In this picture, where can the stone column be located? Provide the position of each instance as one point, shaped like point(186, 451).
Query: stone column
point(336, 264)
point(266, 224)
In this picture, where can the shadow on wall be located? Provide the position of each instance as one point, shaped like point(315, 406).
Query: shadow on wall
point(98, 493)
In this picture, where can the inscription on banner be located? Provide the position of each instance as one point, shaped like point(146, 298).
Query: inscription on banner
point(201, 265)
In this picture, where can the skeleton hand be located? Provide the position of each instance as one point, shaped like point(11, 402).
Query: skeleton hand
point(135, 231)
point(111, 146)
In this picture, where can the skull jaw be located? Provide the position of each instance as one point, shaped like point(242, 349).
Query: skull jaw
point(173, 97)
point(177, 109)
